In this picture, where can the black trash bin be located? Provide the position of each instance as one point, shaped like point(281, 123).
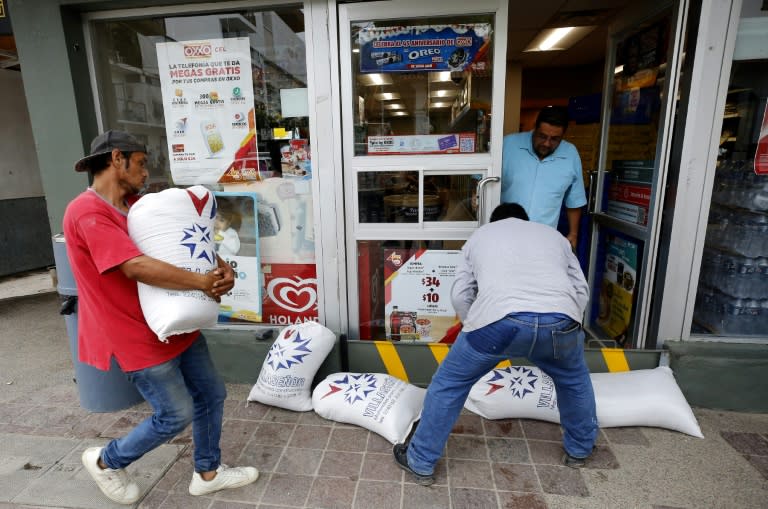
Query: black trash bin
point(100, 391)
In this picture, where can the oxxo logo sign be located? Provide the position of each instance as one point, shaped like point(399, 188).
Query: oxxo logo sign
point(198, 50)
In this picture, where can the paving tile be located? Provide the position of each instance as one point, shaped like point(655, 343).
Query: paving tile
point(508, 450)
point(125, 423)
point(468, 498)
point(250, 493)
point(185, 437)
point(380, 467)
point(9, 412)
point(341, 464)
point(377, 495)
point(509, 500)
point(348, 439)
point(626, 436)
point(248, 410)
point(511, 477)
point(547, 453)
point(466, 447)
point(53, 416)
point(332, 493)
point(154, 499)
point(271, 433)
point(433, 497)
point(440, 474)
point(184, 501)
point(666, 507)
point(310, 437)
point(562, 481)
point(746, 443)
point(92, 425)
point(469, 474)
point(377, 443)
point(540, 430)
point(224, 504)
point(275, 414)
point(16, 429)
point(263, 457)
point(468, 425)
point(760, 463)
point(285, 489)
point(299, 461)
point(237, 432)
point(602, 457)
point(313, 419)
point(508, 428)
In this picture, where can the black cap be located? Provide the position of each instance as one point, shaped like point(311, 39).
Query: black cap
point(105, 143)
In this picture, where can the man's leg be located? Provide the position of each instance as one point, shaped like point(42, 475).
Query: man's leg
point(559, 352)
point(462, 367)
point(208, 394)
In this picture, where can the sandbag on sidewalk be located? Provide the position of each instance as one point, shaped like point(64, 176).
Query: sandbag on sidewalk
point(644, 397)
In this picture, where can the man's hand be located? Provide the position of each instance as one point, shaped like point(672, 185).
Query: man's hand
point(225, 279)
point(573, 238)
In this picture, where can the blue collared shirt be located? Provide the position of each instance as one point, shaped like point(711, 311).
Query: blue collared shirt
point(540, 186)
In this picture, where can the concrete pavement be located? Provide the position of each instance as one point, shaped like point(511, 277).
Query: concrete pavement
point(308, 462)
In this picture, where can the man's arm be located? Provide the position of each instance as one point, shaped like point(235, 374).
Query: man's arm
point(154, 272)
point(464, 289)
point(574, 218)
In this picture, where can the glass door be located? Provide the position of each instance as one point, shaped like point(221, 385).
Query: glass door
point(421, 155)
point(642, 73)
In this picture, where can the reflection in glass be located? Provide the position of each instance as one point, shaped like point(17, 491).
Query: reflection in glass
point(401, 107)
point(388, 196)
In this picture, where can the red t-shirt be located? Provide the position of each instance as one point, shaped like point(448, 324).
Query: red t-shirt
point(110, 320)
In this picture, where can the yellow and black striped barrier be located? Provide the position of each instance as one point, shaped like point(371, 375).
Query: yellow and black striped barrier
point(415, 363)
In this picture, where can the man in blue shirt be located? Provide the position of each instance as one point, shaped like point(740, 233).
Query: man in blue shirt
point(540, 170)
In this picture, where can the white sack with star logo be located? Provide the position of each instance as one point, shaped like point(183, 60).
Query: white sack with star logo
point(643, 397)
point(176, 226)
point(377, 402)
point(286, 376)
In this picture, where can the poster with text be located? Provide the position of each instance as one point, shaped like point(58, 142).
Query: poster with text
point(236, 237)
point(417, 293)
point(424, 48)
point(618, 288)
point(761, 153)
point(290, 293)
point(207, 91)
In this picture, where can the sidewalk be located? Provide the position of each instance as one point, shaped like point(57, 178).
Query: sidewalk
point(308, 462)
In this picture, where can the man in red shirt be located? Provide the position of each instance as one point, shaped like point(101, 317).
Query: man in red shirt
point(177, 378)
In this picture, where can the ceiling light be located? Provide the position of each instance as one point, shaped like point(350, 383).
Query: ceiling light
point(356, 50)
point(375, 79)
point(555, 39)
point(440, 76)
point(386, 96)
point(440, 105)
point(443, 93)
point(396, 106)
point(618, 69)
point(399, 114)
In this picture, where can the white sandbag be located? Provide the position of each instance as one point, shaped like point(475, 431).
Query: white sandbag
point(523, 392)
point(380, 403)
point(176, 226)
point(644, 397)
point(286, 376)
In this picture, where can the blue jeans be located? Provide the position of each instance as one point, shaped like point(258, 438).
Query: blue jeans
point(183, 390)
point(553, 342)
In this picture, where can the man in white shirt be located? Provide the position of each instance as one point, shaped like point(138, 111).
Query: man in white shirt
point(519, 292)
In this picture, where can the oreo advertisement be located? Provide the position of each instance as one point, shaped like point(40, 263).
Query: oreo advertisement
point(424, 48)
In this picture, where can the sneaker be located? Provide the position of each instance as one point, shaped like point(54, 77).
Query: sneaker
point(226, 478)
point(114, 483)
point(401, 458)
point(573, 462)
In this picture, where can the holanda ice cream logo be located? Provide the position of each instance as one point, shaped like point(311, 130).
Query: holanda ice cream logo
point(285, 353)
point(518, 379)
point(354, 387)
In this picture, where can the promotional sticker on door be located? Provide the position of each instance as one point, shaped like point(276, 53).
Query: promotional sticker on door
point(618, 288)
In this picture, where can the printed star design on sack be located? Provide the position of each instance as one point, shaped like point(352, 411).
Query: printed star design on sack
point(285, 354)
point(355, 387)
point(197, 239)
point(520, 380)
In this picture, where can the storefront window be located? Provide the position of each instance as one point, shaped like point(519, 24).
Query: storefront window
point(422, 86)
point(732, 297)
point(220, 99)
point(405, 290)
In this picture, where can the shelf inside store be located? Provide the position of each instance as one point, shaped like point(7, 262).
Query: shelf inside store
point(466, 119)
point(130, 69)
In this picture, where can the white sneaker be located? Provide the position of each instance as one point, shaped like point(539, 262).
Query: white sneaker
point(114, 483)
point(226, 478)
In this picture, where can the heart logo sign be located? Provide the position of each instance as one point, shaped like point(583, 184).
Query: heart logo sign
point(296, 296)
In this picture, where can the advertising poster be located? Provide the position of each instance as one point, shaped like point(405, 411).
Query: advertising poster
point(761, 154)
point(207, 91)
point(618, 287)
point(417, 293)
point(236, 237)
point(629, 202)
point(424, 48)
point(459, 143)
point(290, 293)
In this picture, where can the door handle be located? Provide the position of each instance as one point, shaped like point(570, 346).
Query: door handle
point(591, 191)
point(481, 197)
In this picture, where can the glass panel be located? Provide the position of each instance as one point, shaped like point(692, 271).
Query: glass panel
point(415, 305)
point(618, 262)
point(388, 196)
point(634, 123)
point(732, 297)
point(278, 175)
point(457, 195)
point(422, 86)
